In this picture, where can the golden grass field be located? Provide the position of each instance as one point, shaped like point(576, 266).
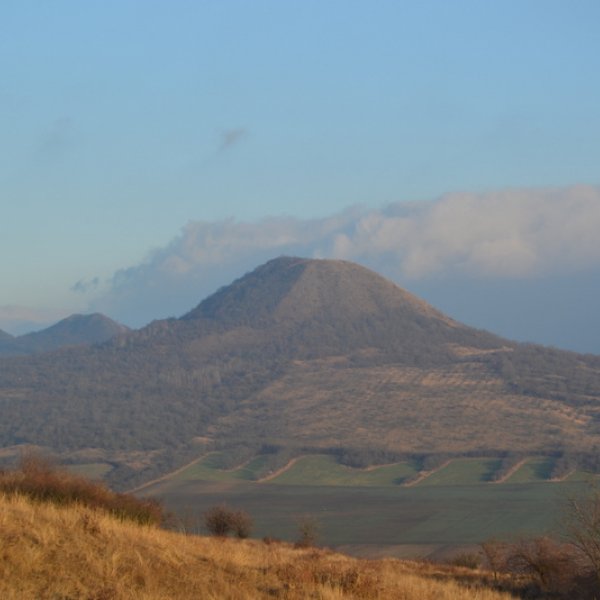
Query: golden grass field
point(72, 552)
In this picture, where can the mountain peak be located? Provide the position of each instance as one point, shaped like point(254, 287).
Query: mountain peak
point(298, 289)
point(254, 296)
point(317, 307)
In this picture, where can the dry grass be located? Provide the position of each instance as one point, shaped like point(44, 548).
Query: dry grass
point(52, 552)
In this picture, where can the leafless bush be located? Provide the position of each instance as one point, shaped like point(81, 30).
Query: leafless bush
point(308, 532)
point(470, 560)
point(221, 521)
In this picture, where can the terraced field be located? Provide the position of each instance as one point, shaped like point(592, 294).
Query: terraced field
point(325, 470)
point(207, 469)
point(534, 469)
point(463, 472)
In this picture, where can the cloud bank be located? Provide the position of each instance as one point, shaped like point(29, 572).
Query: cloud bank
point(509, 234)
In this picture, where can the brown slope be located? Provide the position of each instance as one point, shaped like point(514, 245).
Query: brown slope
point(310, 308)
point(298, 289)
point(300, 353)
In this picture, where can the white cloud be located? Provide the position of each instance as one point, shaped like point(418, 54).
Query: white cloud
point(513, 233)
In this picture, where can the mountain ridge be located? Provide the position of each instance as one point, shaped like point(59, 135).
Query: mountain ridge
point(74, 330)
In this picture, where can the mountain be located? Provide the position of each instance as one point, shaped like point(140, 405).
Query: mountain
point(72, 331)
point(300, 354)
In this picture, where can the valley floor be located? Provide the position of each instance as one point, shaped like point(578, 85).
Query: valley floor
point(369, 512)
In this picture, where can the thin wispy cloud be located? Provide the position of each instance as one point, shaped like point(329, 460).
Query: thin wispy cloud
point(231, 137)
point(84, 286)
point(56, 140)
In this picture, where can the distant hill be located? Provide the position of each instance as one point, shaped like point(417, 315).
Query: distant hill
point(300, 355)
point(72, 331)
point(5, 337)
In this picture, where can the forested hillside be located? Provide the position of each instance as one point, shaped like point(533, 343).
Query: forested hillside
point(300, 355)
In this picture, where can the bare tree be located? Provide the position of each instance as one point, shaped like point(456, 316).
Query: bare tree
point(495, 552)
point(221, 520)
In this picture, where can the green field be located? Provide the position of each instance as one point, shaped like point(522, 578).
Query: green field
point(369, 511)
point(207, 469)
point(534, 469)
point(320, 469)
point(581, 476)
point(376, 519)
point(464, 471)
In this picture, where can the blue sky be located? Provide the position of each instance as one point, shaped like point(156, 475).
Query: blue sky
point(133, 134)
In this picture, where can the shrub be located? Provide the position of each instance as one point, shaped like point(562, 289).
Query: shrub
point(241, 524)
point(308, 530)
point(550, 564)
point(221, 521)
point(495, 552)
point(39, 479)
point(470, 560)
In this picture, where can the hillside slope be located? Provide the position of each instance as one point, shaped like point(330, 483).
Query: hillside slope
point(299, 354)
point(74, 552)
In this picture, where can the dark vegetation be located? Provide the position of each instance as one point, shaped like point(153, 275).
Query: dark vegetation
point(540, 567)
point(298, 355)
point(222, 520)
point(38, 479)
point(308, 532)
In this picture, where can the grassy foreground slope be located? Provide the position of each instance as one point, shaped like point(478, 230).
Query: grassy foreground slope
point(73, 552)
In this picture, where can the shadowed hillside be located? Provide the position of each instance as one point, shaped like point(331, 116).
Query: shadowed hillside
point(300, 356)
